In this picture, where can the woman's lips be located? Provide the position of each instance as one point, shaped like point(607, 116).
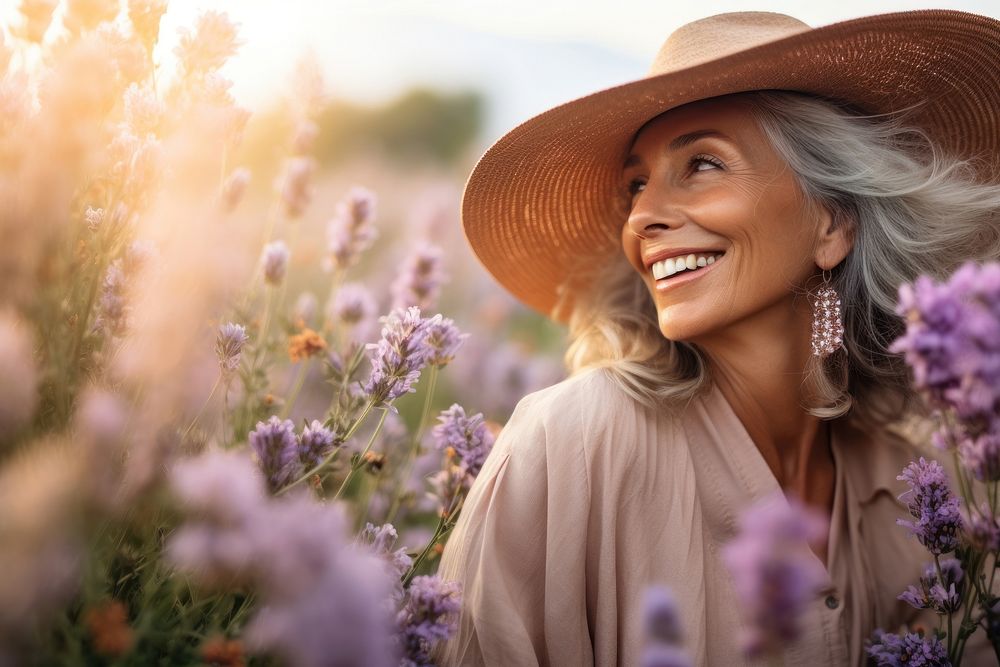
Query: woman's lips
point(678, 279)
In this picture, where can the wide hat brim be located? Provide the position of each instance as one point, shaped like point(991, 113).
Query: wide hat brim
point(546, 195)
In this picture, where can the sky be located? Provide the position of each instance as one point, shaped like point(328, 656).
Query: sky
point(524, 55)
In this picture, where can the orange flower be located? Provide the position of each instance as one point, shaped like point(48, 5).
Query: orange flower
point(304, 345)
point(109, 628)
point(221, 652)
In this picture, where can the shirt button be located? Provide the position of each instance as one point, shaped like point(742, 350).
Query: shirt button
point(832, 602)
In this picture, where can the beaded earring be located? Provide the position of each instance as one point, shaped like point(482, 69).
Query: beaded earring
point(828, 327)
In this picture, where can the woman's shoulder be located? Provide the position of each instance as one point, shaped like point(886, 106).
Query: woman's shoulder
point(589, 412)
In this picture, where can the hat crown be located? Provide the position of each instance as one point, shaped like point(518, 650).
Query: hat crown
point(716, 36)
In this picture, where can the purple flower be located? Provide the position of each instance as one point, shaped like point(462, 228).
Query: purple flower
point(420, 280)
point(235, 187)
point(980, 454)
point(350, 232)
point(908, 650)
point(399, 356)
point(315, 443)
point(942, 594)
point(663, 634)
point(444, 339)
point(467, 437)
point(353, 306)
point(380, 539)
point(274, 260)
point(774, 572)
point(952, 339)
point(430, 615)
point(229, 346)
point(319, 600)
point(112, 306)
point(295, 185)
point(277, 448)
point(938, 521)
point(983, 529)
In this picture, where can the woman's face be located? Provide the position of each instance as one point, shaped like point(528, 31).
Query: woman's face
point(725, 204)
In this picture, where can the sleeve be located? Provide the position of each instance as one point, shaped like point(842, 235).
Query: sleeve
point(518, 548)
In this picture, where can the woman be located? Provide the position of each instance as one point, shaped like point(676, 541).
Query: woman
point(683, 226)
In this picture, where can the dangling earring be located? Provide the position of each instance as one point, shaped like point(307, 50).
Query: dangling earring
point(827, 328)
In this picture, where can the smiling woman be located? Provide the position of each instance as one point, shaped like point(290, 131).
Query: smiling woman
point(696, 390)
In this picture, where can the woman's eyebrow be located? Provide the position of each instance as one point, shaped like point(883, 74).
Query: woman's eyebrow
point(680, 142)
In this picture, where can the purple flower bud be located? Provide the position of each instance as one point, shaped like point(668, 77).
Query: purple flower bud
point(275, 262)
point(430, 615)
point(381, 539)
point(932, 503)
point(774, 572)
point(911, 649)
point(276, 447)
point(419, 282)
point(229, 346)
point(467, 437)
point(295, 185)
point(235, 187)
point(315, 443)
point(353, 307)
point(399, 356)
point(983, 529)
point(350, 232)
point(444, 339)
point(942, 594)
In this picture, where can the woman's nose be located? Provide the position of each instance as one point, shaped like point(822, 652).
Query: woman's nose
point(648, 218)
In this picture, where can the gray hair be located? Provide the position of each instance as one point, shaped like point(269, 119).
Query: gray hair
point(911, 210)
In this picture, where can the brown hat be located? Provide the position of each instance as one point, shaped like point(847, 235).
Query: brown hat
point(546, 194)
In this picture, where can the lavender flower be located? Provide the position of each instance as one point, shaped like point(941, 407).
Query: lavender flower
point(983, 529)
point(662, 630)
point(112, 306)
point(934, 506)
point(399, 356)
point(353, 307)
point(350, 232)
point(444, 339)
point(942, 594)
point(420, 280)
point(381, 539)
point(320, 601)
point(980, 454)
point(229, 346)
point(908, 650)
point(305, 309)
point(295, 185)
point(430, 615)
point(315, 443)
point(467, 438)
point(952, 339)
point(277, 450)
point(275, 262)
point(775, 574)
point(235, 187)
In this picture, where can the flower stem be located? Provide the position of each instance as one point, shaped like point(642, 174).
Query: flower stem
point(397, 495)
point(300, 379)
point(951, 634)
point(361, 457)
point(445, 523)
point(204, 405)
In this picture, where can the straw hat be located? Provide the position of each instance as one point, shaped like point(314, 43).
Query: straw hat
point(544, 197)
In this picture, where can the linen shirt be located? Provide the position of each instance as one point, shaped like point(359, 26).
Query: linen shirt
point(588, 497)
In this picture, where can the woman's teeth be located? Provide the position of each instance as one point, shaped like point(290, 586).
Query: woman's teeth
point(669, 267)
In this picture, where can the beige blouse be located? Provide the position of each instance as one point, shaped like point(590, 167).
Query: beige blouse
point(588, 497)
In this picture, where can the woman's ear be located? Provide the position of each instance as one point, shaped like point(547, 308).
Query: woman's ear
point(835, 238)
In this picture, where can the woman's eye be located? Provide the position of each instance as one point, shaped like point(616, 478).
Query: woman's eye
point(704, 159)
point(633, 187)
